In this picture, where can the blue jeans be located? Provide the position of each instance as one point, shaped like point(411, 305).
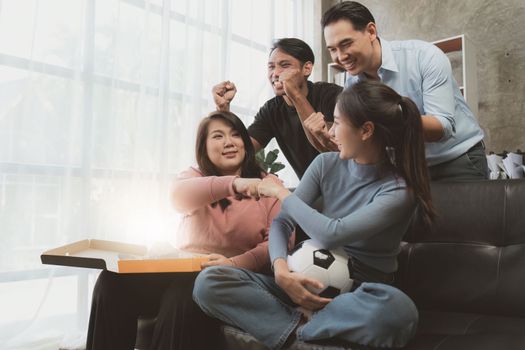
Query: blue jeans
point(374, 314)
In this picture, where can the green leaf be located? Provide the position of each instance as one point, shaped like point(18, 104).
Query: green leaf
point(271, 157)
point(259, 156)
point(276, 167)
point(268, 162)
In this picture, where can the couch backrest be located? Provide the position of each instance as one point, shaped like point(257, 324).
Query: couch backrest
point(473, 259)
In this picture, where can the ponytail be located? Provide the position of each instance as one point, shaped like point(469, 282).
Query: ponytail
point(398, 131)
point(411, 154)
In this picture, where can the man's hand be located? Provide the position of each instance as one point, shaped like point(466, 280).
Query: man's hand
point(316, 125)
point(248, 187)
point(295, 284)
point(292, 81)
point(223, 94)
point(217, 259)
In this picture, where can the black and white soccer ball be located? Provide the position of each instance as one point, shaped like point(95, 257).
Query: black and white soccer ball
point(330, 267)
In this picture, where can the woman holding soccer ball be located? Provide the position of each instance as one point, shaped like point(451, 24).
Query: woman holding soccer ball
point(370, 190)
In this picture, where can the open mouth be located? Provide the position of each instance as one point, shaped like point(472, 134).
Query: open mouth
point(349, 65)
point(277, 84)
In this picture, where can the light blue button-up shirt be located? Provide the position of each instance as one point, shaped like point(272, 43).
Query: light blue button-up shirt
point(421, 71)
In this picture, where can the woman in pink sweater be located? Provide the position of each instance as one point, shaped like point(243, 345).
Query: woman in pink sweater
point(218, 220)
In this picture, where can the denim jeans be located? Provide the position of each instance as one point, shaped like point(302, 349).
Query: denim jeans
point(374, 314)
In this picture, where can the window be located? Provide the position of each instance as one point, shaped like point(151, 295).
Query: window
point(100, 103)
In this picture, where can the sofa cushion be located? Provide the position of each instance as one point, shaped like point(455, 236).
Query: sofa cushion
point(453, 323)
point(467, 342)
point(236, 339)
point(458, 331)
point(437, 331)
point(473, 258)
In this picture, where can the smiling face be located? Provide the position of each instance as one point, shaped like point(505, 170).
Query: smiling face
point(278, 62)
point(354, 142)
point(225, 147)
point(356, 51)
point(349, 138)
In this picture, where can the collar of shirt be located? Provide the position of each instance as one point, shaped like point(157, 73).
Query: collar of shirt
point(388, 63)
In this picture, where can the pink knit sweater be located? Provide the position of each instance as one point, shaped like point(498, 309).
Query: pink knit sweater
point(240, 232)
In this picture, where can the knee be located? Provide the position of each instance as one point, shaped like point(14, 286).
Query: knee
point(177, 294)
point(209, 285)
point(106, 286)
point(394, 320)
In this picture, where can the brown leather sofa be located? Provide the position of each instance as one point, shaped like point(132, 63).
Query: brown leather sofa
point(466, 275)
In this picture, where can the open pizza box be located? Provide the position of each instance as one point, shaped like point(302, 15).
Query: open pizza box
point(120, 257)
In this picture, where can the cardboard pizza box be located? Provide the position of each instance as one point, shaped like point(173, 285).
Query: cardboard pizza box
point(119, 257)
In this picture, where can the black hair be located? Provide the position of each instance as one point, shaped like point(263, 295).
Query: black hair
point(398, 130)
point(295, 48)
point(351, 11)
point(249, 166)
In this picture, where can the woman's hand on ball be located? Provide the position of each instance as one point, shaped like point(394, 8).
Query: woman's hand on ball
point(295, 284)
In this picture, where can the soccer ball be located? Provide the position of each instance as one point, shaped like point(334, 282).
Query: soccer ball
point(330, 267)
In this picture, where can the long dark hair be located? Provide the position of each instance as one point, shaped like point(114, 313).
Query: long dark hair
point(249, 166)
point(398, 131)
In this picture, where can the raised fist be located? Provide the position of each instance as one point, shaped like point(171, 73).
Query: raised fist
point(223, 93)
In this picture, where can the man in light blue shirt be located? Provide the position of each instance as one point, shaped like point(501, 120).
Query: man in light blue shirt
point(419, 70)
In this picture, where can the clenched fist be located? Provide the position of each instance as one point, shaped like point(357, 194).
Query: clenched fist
point(247, 187)
point(292, 81)
point(271, 188)
point(223, 93)
point(316, 125)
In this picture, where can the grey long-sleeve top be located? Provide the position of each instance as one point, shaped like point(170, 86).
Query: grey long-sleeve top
point(365, 210)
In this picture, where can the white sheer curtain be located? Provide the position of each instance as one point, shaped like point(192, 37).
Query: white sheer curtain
point(100, 100)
